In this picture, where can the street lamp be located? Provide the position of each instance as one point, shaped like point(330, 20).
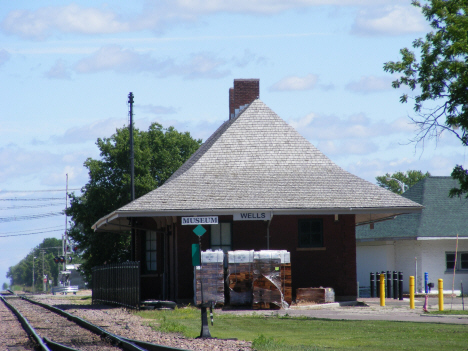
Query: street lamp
point(33, 273)
point(400, 183)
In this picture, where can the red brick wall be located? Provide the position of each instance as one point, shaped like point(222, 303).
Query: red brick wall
point(245, 91)
point(334, 266)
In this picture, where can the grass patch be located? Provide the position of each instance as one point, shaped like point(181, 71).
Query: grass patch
point(450, 312)
point(277, 333)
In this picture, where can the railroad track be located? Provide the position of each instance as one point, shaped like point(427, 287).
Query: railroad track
point(49, 328)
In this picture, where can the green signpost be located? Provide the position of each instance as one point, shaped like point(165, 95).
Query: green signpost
point(196, 261)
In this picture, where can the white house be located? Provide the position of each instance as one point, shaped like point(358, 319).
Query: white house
point(420, 242)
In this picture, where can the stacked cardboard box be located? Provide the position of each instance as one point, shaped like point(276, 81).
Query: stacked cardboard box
point(240, 277)
point(269, 279)
point(210, 277)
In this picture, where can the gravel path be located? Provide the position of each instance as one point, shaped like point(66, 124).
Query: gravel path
point(121, 322)
point(12, 334)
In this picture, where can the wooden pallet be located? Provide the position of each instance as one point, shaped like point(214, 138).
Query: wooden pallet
point(265, 306)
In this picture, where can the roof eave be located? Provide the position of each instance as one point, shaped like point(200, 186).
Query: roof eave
point(387, 213)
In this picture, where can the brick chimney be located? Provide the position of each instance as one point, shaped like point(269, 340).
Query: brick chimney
point(244, 92)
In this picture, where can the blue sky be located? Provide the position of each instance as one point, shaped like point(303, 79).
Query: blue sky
point(67, 67)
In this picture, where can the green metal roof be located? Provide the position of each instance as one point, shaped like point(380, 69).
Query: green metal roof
point(442, 216)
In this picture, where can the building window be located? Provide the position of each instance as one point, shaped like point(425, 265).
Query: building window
point(221, 236)
point(150, 251)
point(461, 264)
point(310, 232)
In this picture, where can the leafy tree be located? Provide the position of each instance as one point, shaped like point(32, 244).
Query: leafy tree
point(21, 273)
point(408, 179)
point(5, 286)
point(158, 153)
point(439, 77)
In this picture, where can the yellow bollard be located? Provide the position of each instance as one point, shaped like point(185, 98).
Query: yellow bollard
point(382, 289)
point(411, 292)
point(441, 294)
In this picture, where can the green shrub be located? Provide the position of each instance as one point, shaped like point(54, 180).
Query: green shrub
point(170, 326)
point(261, 343)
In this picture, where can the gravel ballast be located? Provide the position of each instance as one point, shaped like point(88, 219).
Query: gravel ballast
point(122, 322)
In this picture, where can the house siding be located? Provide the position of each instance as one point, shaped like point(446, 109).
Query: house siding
point(429, 254)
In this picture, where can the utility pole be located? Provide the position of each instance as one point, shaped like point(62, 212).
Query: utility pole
point(65, 236)
point(132, 174)
point(33, 274)
point(132, 166)
point(43, 275)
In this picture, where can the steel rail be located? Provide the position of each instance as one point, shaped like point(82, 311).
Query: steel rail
point(125, 343)
point(55, 346)
point(26, 326)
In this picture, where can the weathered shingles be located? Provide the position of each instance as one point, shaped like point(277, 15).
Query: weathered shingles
point(259, 161)
point(442, 216)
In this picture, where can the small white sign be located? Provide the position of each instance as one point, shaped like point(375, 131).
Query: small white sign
point(199, 220)
point(252, 216)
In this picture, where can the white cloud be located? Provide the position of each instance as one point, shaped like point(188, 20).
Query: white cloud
point(370, 84)
point(81, 134)
point(17, 162)
point(4, 56)
point(157, 110)
point(201, 65)
point(76, 175)
point(439, 164)
point(155, 15)
point(58, 71)
point(263, 7)
point(322, 127)
point(69, 19)
point(115, 58)
point(347, 147)
point(389, 20)
point(247, 58)
point(294, 83)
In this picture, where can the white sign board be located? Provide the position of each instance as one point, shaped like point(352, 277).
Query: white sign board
point(199, 220)
point(252, 216)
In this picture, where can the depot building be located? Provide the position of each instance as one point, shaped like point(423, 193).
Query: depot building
point(255, 184)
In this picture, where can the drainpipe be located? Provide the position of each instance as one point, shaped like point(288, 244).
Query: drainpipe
point(268, 231)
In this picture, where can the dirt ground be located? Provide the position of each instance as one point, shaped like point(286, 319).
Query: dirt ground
point(370, 309)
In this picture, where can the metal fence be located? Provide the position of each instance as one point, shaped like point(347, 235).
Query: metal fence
point(117, 284)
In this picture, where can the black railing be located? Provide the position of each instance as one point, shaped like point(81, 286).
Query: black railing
point(117, 284)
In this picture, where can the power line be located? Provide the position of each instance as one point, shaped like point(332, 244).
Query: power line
point(48, 231)
point(36, 199)
point(24, 218)
point(29, 230)
point(36, 191)
point(29, 206)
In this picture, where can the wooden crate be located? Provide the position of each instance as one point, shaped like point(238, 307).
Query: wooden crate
point(239, 280)
point(286, 282)
point(314, 295)
point(272, 285)
point(212, 277)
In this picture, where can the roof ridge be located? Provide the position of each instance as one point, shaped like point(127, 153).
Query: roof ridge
point(258, 160)
point(207, 145)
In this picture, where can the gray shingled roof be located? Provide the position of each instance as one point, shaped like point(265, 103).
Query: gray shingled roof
point(257, 161)
point(442, 216)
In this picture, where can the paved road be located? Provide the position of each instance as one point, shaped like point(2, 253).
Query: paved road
point(370, 309)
